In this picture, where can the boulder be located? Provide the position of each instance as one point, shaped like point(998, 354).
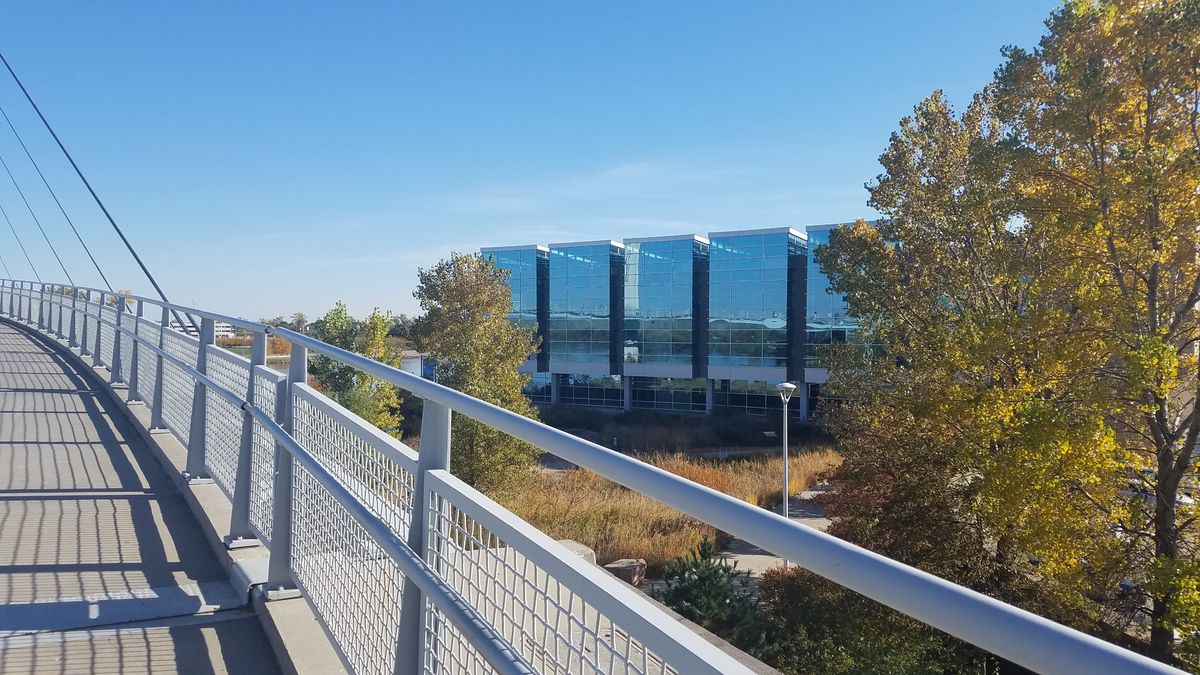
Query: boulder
point(629, 570)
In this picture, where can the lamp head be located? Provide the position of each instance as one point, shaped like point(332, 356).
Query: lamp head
point(785, 390)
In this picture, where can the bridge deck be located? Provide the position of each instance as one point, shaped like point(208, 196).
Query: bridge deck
point(102, 566)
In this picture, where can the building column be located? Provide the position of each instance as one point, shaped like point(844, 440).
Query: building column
point(708, 395)
point(553, 387)
point(626, 393)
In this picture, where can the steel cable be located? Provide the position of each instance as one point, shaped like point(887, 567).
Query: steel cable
point(35, 218)
point(20, 243)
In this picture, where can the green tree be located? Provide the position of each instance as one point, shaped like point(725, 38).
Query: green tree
point(1104, 152)
point(467, 332)
point(1034, 286)
point(712, 592)
point(371, 399)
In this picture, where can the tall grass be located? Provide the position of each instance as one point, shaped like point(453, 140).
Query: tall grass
point(618, 523)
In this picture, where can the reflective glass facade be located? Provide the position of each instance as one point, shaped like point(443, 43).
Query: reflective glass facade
point(827, 319)
point(749, 300)
point(664, 393)
point(538, 388)
point(527, 281)
point(755, 398)
point(585, 307)
point(592, 390)
point(665, 290)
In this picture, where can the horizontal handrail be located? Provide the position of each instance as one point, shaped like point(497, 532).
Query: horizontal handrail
point(1015, 634)
point(1009, 632)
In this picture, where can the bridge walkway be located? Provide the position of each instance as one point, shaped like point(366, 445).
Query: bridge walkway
point(102, 566)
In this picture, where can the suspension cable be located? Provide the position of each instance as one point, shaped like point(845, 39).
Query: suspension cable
point(35, 218)
point(7, 273)
point(20, 243)
point(55, 196)
point(79, 172)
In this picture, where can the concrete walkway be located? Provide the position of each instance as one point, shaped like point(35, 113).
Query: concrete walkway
point(102, 566)
point(802, 508)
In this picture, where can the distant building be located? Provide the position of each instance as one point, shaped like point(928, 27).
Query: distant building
point(685, 323)
point(221, 329)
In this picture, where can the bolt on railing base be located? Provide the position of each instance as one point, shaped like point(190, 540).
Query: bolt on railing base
point(159, 430)
point(233, 543)
point(281, 594)
point(197, 479)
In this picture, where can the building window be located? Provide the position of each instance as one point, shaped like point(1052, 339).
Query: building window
point(591, 390)
point(748, 299)
point(659, 302)
point(654, 393)
point(580, 312)
point(538, 388)
point(755, 398)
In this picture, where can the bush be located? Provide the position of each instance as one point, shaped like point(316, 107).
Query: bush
point(713, 593)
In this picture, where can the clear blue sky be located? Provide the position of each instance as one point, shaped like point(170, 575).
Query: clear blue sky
point(268, 158)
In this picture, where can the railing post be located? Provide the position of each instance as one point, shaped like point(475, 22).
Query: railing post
point(280, 584)
point(71, 341)
point(434, 455)
point(156, 406)
point(134, 396)
point(117, 370)
point(60, 304)
point(99, 351)
point(84, 350)
point(11, 294)
point(198, 436)
point(240, 534)
point(41, 306)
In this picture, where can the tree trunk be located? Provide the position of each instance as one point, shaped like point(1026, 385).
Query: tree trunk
point(1166, 549)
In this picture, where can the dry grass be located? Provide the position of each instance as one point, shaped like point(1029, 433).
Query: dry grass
point(619, 523)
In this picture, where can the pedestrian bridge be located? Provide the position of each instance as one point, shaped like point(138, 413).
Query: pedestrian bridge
point(169, 505)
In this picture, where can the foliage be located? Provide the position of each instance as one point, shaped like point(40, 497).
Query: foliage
point(375, 401)
point(467, 332)
point(1034, 285)
point(816, 626)
point(712, 592)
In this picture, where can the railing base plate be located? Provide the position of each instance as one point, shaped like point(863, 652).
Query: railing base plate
point(197, 480)
point(233, 543)
point(281, 594)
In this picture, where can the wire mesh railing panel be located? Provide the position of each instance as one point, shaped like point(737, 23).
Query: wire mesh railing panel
point(178, 385)
point(377, 468)
point(108, 316)
point(532, 592)
point(128, 321)
point(262, 453)
point(350, 582)
point(148, 331)
point(223, 423)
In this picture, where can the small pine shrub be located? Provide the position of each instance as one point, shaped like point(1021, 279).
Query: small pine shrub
point(712, 592)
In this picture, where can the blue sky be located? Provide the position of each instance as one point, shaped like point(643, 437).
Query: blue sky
point(268, 158)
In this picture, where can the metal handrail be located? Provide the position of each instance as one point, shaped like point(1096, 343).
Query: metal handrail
point(1007, 631)
point(465, 618)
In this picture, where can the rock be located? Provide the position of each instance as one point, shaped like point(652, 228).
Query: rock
point(629, 570)
point(579, 549)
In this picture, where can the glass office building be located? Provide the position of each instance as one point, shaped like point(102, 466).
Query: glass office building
point(680, 323)
point(666, 302)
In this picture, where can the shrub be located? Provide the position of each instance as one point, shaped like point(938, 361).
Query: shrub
point(713, 593)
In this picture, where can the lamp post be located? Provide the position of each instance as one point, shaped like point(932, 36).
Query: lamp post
point(785, 392)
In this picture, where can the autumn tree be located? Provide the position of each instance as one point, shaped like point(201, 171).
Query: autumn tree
point(1033, 284)
point(467, 332)
point(1104, 152)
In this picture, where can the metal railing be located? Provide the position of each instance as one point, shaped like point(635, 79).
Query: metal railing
point(410, 569)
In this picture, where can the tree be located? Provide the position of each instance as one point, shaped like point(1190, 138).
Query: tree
point(299, 322)
point(1034, 286)
point(371, 399)
point(466, 331)
point(967, 451)
point(712, 592)
point(1105, 154)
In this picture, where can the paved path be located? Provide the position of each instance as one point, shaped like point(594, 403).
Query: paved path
point(102, 567)
point(802, 509)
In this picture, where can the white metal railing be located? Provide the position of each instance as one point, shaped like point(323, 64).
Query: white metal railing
point(410, 569)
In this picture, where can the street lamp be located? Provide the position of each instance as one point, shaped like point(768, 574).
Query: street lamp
point(785, 392)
